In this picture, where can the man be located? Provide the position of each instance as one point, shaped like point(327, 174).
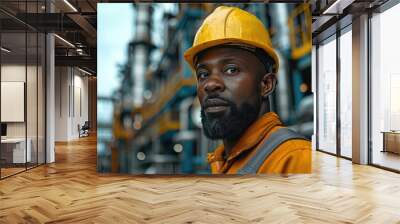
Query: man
point(236, 67)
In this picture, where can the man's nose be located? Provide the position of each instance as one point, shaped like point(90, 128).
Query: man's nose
point(214, 84)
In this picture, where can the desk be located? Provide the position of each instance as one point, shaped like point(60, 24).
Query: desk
point(16, 147)
point(391, 141)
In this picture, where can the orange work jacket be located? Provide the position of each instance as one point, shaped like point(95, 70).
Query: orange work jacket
point(292, 156)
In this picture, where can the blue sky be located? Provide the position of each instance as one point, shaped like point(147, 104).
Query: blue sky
point(114, 31)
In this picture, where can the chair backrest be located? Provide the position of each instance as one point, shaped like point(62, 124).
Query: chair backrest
point(86, 125)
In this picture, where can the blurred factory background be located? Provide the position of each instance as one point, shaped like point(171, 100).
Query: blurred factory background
point(148, 112)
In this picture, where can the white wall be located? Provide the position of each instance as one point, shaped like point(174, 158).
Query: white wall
point(71, 94)
point(61, 103)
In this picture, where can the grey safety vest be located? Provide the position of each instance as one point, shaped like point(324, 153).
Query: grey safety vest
point(269, 145)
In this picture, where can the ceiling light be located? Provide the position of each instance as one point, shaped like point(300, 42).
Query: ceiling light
point(337, 7)
point(329, 9)
point(65, 41)
point(79, 51)
point(5, 50)
point(71, 6)
point(84, 71)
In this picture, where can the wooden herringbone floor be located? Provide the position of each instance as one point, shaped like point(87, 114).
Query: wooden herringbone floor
point(70, 191)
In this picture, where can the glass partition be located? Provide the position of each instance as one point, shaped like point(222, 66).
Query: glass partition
point(346, 93)
point(385, 89)
point(327, 95)
point(22, 91)
point(14, 151)
point(41, 109)
point(31, 99)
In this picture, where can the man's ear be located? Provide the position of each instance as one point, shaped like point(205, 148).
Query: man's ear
point(268, 84)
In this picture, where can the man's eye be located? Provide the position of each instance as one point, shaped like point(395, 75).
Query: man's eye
point(231, 70)
point(201, 75)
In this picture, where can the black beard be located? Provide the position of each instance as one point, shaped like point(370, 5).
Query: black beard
point(231, 125)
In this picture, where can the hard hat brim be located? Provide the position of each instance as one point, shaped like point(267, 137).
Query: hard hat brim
point(193, 51)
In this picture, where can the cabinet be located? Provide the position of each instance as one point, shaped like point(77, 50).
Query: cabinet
point(391, 141)
point(13, 150)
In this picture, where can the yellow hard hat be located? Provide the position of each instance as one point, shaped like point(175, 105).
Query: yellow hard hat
point(227, 25)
